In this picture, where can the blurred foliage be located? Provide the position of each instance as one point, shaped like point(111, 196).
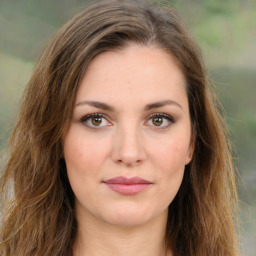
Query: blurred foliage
point(226, 33)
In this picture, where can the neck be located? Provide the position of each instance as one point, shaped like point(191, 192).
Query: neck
point(144, 240)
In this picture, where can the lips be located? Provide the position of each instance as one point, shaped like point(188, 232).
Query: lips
point(127, 186)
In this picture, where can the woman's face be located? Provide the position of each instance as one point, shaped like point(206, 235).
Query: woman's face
point(130, 137)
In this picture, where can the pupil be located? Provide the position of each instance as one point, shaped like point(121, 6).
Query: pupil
point(157, 121)
point(96, 121)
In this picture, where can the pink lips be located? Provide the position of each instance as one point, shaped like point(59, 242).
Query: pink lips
point(127, 186)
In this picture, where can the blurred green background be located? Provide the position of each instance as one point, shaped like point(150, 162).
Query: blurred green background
point(226, 33)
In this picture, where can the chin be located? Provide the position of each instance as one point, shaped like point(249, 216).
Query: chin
point(129, 217)
point(127, 221)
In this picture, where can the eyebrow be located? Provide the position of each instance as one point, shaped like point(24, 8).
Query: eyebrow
point(160, 104)
point(148, 107)
point(96, 104)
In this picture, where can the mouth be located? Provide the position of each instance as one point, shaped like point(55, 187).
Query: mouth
point(127, 186)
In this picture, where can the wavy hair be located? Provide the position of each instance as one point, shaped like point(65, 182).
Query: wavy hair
point(36, 199)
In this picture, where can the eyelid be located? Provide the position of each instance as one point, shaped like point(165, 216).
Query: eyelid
point(101, 115)
point(170, 119)
point(167, 117)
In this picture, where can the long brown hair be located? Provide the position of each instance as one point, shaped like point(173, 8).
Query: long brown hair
point(36, 199)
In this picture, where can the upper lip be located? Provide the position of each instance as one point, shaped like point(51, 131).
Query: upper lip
point(124, 180)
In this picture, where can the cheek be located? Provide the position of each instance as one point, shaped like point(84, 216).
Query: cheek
point(80, 152)
point(169, 162)
point(84, 160)
point(171, 155)
point(169, 165)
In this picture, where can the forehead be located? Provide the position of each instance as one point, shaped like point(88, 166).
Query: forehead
point(133, 73)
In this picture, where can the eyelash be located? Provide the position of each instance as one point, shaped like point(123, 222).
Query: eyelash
point(93, 115)
point(169, 118)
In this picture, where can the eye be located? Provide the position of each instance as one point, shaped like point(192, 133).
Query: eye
point(95, 120)
point(160, 120)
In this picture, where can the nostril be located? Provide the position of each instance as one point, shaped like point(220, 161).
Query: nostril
point(130, 158)
point(129, 163)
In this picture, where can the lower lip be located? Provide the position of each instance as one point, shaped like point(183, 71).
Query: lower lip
point(128, 189)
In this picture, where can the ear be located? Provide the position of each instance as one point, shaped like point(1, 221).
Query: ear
point(191, 148)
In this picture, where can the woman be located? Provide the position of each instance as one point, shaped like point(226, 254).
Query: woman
point(119, 148)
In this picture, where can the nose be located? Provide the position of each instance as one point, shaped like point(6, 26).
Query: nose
point(128, 146)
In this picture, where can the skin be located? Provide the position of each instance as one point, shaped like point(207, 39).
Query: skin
point(129, 140)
